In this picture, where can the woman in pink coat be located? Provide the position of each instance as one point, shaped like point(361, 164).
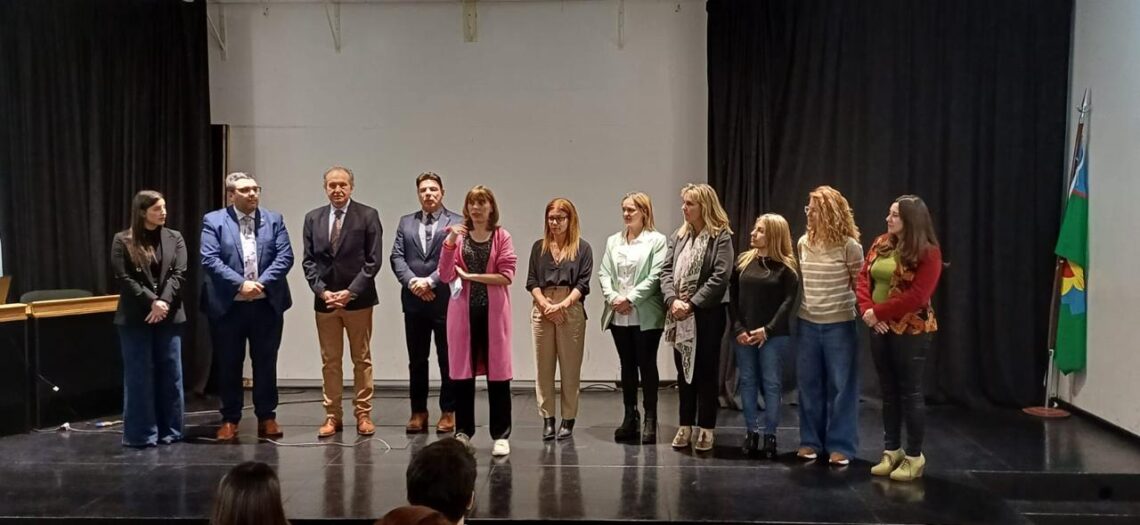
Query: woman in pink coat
point(478, 260)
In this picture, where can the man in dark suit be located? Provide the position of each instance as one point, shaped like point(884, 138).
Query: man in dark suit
point(342, 256)
point(245, 257)
point(415, 258)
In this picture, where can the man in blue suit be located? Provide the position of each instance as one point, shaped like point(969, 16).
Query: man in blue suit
point(245, 257)
point(415, 259)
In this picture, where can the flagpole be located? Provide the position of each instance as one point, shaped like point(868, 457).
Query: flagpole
point(1047, 410)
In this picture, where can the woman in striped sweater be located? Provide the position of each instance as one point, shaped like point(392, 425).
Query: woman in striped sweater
point(894, 289)
point(828, 375)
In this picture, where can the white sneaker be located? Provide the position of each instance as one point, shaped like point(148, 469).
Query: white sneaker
point(501, 447)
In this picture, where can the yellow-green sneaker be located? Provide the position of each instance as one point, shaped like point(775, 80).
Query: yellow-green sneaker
point(910, 469)
point(890, 462)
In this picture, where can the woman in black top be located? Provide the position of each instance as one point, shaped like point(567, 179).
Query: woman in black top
point(149, 262)
point(559, 280)
point(763, 289)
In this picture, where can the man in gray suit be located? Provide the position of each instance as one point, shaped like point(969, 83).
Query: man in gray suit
point(415, 259)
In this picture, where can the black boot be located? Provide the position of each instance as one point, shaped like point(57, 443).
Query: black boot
point(567, 429)
point(547, 428)
point(769, 446)
point(649, 431)
point(629, 426)
point(751, 444)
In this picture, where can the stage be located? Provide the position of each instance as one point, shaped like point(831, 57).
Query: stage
point(984, 467)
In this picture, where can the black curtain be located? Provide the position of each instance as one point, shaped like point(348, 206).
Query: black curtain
point(963, 102)
point(100, 99)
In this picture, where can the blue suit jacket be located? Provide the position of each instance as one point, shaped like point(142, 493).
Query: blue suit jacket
point(410, 259)
point(222, 260)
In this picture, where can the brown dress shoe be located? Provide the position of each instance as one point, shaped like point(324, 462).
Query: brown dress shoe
point(227, 432)
point(446, 423)
point(330, 428)
point(364, 426)
point(269, 429)
point(418, 423)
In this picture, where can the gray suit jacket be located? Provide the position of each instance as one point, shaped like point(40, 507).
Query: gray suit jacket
point(410, 259)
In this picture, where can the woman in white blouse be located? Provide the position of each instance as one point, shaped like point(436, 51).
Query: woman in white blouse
point(634, 314)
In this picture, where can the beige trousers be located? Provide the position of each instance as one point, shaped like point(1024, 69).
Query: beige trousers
point(561, 347)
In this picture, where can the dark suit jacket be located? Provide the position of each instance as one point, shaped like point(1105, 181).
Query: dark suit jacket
point(410, 259)
point(716, 271)
point(222, 264)
point(138, 288)
point(353, 265)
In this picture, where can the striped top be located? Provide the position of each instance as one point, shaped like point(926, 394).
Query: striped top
point(828, 276)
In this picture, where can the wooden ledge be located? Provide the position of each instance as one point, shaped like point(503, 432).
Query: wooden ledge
point(13, 312)
point(82, 306)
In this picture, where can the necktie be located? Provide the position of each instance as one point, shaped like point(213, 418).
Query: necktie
point(249, 247)
point(428, 221)
point(336, 229)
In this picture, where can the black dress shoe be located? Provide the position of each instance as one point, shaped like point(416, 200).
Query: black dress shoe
point(629, 426)
point(649, 430)
point(566, 431)
point(547, 428)
point(769, 450)
point(751, 444)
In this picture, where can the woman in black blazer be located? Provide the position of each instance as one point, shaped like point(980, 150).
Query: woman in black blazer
point(149, 262)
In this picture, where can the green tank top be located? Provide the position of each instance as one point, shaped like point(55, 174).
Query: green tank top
point(881, 271)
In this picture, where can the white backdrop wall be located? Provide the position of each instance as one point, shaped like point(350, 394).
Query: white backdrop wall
point(1106, 45)
point(543, 104)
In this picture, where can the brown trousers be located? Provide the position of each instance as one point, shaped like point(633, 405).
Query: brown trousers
point(559, 346)
point(331, 328)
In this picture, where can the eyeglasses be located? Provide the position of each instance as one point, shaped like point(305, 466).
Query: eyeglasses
point(557, 218)
point(249, 190)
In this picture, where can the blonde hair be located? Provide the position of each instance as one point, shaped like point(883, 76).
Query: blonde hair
point(712, 213)
point(643, 204)
point(573, 230)
point(833, 221)
point(778, 235)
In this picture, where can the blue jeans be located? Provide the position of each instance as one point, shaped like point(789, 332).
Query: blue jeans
point(153, 401)
point(767, 358)
point(828, 377)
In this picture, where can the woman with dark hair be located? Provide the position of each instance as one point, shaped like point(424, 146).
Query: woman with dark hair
point(149, 262)
point(899, 276)
point(249, 494)
point(478, 260)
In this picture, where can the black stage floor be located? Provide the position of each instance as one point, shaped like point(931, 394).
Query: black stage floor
point(984, 467)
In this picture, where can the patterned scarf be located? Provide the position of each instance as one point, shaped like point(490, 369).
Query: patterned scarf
point(683, 334)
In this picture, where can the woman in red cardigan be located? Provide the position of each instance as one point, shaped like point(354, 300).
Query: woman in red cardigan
point(899, 275)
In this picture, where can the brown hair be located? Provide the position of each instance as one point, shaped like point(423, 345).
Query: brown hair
point(573, 230)
point(140, 253)
point(249, 494)
point(481, 193)
point(918, 230)
point(429, 175)
point(833, 221)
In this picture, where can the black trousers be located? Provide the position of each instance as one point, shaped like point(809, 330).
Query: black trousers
point(498, 392)
point(699, 399)
point(418, 330)
point(900, 361)
point(637, 352)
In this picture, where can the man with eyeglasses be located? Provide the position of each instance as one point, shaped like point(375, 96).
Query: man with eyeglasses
point(245, 257)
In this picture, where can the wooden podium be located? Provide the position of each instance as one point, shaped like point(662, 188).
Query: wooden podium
point(74, 364)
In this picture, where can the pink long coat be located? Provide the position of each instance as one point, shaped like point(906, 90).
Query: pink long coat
point(503, 261)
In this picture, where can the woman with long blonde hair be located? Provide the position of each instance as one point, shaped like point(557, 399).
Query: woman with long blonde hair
point(694, 282)
point(827, 372)
point(559, 281)
point(762, 293)
point(630, 277)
